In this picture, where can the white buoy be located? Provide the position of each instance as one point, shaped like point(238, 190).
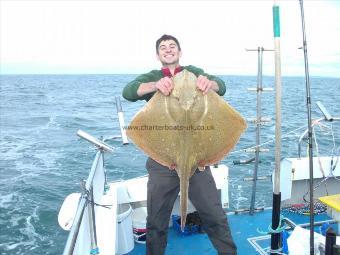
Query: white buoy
point(68, 211)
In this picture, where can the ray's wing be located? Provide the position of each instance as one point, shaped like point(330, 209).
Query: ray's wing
point(222, 127)
point(152, 129)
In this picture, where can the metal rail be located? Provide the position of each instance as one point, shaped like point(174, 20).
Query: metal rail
point(88, 198)
point(83, 204)
point(258, 121)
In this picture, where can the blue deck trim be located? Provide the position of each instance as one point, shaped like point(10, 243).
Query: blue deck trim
point(242, 226)
point(182, 245)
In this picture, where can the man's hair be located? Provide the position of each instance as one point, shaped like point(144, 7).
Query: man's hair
point(166, 38)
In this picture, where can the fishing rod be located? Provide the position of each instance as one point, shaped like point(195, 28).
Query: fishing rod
point(310, 132)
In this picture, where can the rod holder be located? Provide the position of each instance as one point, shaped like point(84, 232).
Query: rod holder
point(260, 49)
point(246, 210)
point(263, 120)
point(260, 178)
point(121, 120)
point(243, 161)
point(101, 145)
point(254, 150)
point(260, 89)
point(324, 111)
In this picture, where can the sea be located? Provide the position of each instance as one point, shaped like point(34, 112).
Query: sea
point(43, 160)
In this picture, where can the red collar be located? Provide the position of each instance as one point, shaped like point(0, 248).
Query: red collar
point(166, 71)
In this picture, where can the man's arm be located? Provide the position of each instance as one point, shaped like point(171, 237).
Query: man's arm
point(146, 88)
point(204, 84)
point(164, 85)
point(141, 88)
point(217, 84)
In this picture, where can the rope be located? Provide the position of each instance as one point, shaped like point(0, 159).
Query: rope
point(94, 251)
point(268, 250)
point(286, 135)
point(332, 167)
point(269, 141)
point(336, 162)
point(88, 200)
point(335, 151)
point(303, 209)
point(279, 228)
point(317, 155)
point(105, 206)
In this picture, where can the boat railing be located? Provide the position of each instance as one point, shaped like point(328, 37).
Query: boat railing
point(84, 222)
point(326, 117)
point(258, 121)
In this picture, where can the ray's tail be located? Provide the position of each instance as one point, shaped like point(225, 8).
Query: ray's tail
point(184, 187)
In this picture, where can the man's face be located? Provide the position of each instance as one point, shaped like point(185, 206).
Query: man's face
point(168, 53)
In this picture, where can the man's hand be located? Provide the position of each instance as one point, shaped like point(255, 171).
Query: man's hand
point(165, 86)
point(204, 84)
point(173, 167)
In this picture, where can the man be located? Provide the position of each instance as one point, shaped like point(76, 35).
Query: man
point(163, 184)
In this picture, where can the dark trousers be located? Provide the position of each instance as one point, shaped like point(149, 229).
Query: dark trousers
point(163, 189)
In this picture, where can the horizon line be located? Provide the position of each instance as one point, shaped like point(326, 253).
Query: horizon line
point(254, 75)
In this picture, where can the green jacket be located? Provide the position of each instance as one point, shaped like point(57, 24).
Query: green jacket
point(130, 90)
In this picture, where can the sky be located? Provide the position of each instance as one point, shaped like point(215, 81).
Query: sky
point(106, 37)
